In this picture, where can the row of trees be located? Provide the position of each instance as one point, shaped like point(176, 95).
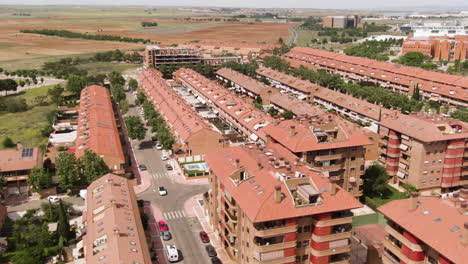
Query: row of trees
point(76, 35)
point(417, 59)
point(8, 85)
point(149, 24)
point(373, 94)
point(117, 55)
point(204, 69)
point(373, 49)
point(157, 123)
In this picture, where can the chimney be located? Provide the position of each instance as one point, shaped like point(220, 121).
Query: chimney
point(413, 201)
point(293, 130)
point(260, 166)
point(268, 139)
point(465, 235)
point(237, 163)
point(277, 195)
point(463, 207)
point(333, 181)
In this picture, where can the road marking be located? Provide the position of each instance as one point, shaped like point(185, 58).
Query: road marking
point(174, 214)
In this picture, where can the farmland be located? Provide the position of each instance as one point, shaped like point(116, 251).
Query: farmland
point(18, 50)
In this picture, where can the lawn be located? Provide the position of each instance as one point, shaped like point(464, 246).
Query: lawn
point(391, 194)
point(106, 67)
point(376, 218)
point(34, 63)
point(26, 126)
point(304, 38)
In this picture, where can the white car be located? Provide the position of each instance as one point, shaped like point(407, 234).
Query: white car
point(53, 199)
point(162, 191)
point(159, 146)
point(164, 157)
point(172, 253)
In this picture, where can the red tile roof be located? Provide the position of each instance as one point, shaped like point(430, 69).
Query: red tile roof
point(304, 139)
point(255, 195)
point(298, 107)
point(287, 80)
point(421, 223)
point(451, 85)
point(13, 159)
point(250, 84)
point(179, 114)
point(113, 224)
point(97, 129)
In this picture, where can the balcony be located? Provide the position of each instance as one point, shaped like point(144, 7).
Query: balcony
point(343, 258)
point(328, 157)
point(290, 259)
point(275, 231)
point(334, 221)
point(331, 251)
point(231, 214)
point(402, 239)
point(390, 246)
point(272, 247)
point(333, 236)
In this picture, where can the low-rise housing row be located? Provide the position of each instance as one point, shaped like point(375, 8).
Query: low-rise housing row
point(319, 140)
point(287, 83)
point(97, 128)
point(434, 86)
point(114, 232)
point(193, 133)
point(267, 208)
point(427, 229)
point(246, 85)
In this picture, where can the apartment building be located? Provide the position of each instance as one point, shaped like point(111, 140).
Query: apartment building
point(245, 85)
point(240, 114)
point(287, 83)
point(341, 21)
point(15, 167)
point(326, 145)
point(427, 230)
point(159, 55)
point(427, 151)
point(218, 61)
point(247, 51)
point(284, 102)
point(434, 86)
point(267, 208)
point(194, 135)
point(426, 28)
point(440, 47)
point(97, 128)
point(114, 232)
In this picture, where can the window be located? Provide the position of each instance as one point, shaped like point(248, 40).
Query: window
point(305, 257)
point(298, 244)
point(353, 158)
point(305, 243)
point(432, 260)
point(299, 229)
point(307, 228)
point(298, 258)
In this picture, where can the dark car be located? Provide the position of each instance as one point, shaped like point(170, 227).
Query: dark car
point(142, 167)
point(204, 237)
point(169, 167)
point(216, 260)
point(166, 235)
point(211, 251)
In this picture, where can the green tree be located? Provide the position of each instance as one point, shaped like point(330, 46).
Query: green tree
point(416, 94)
point(288, 114)
point(140, 98)
point(135, 127)
point(8, 143)
point(124, 106)
point(63, 227)
point(375, 181)
point(21, 83)
point(76, 83)
point(67, 170)
point(39, 179)
point(115, 78)
point(133, 84)
point(117, 92)
point(92, 166)
point(55, 93)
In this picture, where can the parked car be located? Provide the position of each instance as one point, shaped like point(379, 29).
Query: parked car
point(163, 226)
point(166, 235)
point(159, 146)
point(172, 253)
point(164, 157)
point(53, 199)
point(216, 260)
point(204, 237)
point(168, 167)
point(142, 167)
point(162, 191)
point(211, 251)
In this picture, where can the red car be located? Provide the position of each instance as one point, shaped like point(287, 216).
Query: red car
point(204, 237)
point(163, 226)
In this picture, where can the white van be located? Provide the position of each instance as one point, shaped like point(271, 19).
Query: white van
point(172, 253)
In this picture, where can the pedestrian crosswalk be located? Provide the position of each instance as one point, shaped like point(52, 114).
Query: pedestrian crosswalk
point(174, 215)
point(158, 175)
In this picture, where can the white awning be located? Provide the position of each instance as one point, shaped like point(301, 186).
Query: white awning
point(402, 165)
point(403, 147)
point(253, 137)
point(203, 101)
point(401, 174)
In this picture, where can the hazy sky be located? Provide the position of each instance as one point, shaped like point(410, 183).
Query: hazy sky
point(335, 4)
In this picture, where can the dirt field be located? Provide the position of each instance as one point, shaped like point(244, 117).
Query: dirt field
point(17, 48)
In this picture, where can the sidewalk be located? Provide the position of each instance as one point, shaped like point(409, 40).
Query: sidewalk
point(153, 214)
point(145, 183)
point(179, 177)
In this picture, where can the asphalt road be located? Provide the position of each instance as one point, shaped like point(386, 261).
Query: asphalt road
point(185, 230)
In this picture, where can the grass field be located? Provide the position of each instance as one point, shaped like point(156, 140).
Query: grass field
point(376, 218)
point(26, 126)
point(106, 67)
point(304, 38)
